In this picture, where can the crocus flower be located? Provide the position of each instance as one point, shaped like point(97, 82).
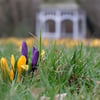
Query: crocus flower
point(21, 66)
point(4, 65)
point(43, 53)
point(13, 67)
point(12, 75)
point(25, 50)
point(35, 57)
point(13, 62)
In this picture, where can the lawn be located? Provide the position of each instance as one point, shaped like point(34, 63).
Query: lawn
point(72, 70)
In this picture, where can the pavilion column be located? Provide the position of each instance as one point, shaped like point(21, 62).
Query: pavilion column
point(58, 25)
point(83, 26)
point(75, 28)
point(58, 29)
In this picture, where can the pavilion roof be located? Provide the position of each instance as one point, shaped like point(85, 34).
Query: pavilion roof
point(63, 5)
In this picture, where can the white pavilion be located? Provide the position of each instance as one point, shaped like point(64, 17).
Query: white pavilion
point(61, 20)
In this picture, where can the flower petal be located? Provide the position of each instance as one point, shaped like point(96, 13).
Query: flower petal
point(13, 62)
point(21, 61)
point(25, 50)
point(12, 75)
point(4, 65)
point(43, 53)
point(35, 56)
point(25, 67)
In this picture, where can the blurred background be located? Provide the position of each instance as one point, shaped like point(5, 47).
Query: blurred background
point(18, 17)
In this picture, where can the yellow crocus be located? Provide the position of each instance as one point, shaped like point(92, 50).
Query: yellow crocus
point(43, 53)
point(25, 67)
point(13, 62)
point(4, 65)
point(12, 75)
point(21, 66)
point(21, 62)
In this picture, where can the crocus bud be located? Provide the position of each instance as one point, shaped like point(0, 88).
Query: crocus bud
point(35, 57)
point(25, 50)
point(13, 62)
point(4, 65)
point(12, 75)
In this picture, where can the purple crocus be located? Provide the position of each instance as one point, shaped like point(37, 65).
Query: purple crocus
point(25, 50)
point(35, 57)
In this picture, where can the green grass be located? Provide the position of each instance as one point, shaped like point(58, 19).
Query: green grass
point(62, 70)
